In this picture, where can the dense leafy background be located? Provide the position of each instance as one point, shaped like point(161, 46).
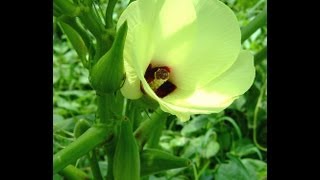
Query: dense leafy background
point(220, 145)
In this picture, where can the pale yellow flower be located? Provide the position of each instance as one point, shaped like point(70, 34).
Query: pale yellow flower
point(196, 45)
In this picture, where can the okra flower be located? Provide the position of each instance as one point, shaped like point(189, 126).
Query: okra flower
point(186, 55)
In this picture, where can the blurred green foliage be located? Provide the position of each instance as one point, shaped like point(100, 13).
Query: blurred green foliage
point(221, 146)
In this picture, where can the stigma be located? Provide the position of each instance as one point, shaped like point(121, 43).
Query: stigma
point(158, 79)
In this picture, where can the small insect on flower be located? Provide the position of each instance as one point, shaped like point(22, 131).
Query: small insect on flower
point(186, 55)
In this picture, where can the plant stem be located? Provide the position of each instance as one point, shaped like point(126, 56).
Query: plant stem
point(261, 55)
point(255, 117)
point(149, 126)
point(259, 21)
point(234, 124)
point(91, 22)
point(72, 173)
point(110, 168)
point(154, 138)
point(103, 107)
point(109, 13)
point(67, 7)
point(85, 143)
point(81, 127)
point(205, 166)
point(95, 165)
point(195, 174)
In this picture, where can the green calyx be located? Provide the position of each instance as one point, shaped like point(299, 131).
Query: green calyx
point(107, 75)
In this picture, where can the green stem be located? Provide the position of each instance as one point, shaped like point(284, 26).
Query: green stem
point(67, 7)
point(196, 177)
point(85, 143)
point(261, 55)
point(103, 107)
point(95, 165)
point(255, 118)
point(234, 124)
point(56, 11)
point(205, 166)
point(259, 21)
point(149, 126)
point(72, 173)
point(109, 13)
point(154, 139)
point(92, 22)
point(110, 168)
point(110, 150)
point(81, 127)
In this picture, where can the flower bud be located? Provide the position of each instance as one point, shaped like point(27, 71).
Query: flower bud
point(126, 165)
point(107, 74)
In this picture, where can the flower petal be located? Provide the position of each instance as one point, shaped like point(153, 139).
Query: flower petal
point(136, 49)
point(207, 48)
point(218, 94)
point(131, 86)
point(149, 22)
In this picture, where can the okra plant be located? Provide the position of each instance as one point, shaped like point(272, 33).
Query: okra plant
point(158, 64)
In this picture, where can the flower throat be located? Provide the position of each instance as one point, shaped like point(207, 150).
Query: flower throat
point(158, 80)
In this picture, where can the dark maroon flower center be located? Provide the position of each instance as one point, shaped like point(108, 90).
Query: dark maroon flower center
point(158, 79)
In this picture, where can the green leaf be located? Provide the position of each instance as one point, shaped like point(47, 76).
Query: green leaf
point(195, 125)
point(256, 168)
point(244, 148)
point(155, 161)
point(211, 149)
point(76, 41)
point(193, 147)
point(234, 169)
